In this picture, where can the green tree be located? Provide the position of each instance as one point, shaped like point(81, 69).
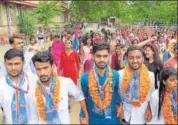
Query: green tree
point(127, 11)
point(46, 11)
point(27, 23)
point(166, 11)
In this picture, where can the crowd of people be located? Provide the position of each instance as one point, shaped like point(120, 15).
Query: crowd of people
point(127, 76)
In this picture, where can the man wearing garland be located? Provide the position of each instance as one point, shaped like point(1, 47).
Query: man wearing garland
point(16, 42)
point(15, 89)
point(100, 88)
point(49, 102)
point(136, 86)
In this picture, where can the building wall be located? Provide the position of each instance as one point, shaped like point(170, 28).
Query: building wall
point(14, 10)
point(3, 20)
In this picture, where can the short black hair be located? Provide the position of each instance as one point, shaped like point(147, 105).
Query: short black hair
point(43, 56)
point(57, 36)
point(134, 47)
point(11, 53)
point(12, 38)
point(120, 45)
point(100, 46)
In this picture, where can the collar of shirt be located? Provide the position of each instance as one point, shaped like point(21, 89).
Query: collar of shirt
point(102, 78)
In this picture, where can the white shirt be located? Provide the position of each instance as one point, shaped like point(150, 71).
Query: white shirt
point(154, 104)
point(67, 87)
point(7, 92)
point(132, 114)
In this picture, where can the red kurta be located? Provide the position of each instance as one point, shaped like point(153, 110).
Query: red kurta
point(70, 65)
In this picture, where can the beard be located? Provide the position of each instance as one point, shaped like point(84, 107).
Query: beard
point(133, 67)
point(15, 73)
point(101, 65)
point(44, 79)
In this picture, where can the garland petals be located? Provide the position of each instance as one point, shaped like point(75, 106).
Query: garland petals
point(144, 84)
point(94, 93)
point(40, 103)
point(167, 110)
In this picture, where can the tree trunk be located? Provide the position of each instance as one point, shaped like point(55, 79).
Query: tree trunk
point(8, 19)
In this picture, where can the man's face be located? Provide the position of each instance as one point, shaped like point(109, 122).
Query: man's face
point(135, 59)
point(101, 58)
point(18, 44)
point(44, 71)
point(14, 66)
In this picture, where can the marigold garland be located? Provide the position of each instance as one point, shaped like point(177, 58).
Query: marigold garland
point(40, 99)
point(167, 110)
point(144, 83)
point(94, 92)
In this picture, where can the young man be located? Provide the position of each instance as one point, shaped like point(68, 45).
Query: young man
point(17, 43)
point(15, 89)
point(100, 86)
point(136, 85)
point(50, 97)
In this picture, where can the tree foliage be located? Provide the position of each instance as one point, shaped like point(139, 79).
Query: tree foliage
point(27, 23)
point(46, 11)
point(128, 11)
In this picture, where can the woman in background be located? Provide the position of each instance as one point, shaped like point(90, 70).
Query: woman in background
point(69, 62)
point(153, 62)
point(164, 101)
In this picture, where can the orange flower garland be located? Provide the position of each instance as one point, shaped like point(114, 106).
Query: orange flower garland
point(40, 99)
point(94, 93)
point(144, 83)
point(167, 110)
